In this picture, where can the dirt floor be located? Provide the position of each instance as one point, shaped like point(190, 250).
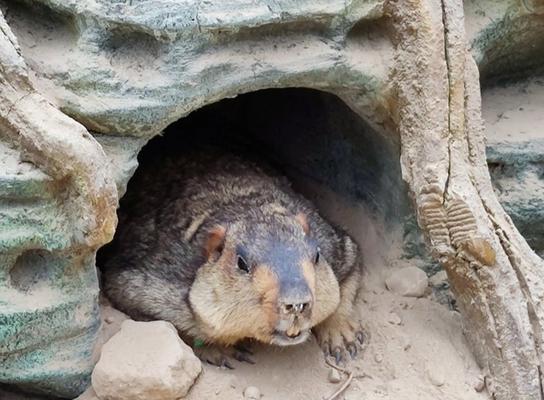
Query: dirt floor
point(415, 351)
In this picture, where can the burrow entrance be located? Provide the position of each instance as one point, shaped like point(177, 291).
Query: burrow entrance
point(348, 169)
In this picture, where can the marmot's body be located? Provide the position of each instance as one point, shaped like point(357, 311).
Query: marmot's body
point(226, 251)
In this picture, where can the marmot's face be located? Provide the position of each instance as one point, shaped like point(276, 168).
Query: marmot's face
point(261, 282)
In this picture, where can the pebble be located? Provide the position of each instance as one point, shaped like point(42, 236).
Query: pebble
point(394, 319)
point(334, 376)
point(109, 320)
point(405, 343)
point(408, 282)
point(252, 393)
point(378, 357)
point(479, 383)
point(233, 381)
point(436, 375)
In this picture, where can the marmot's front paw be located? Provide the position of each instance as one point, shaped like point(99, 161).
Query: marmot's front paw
point(222, 356)
point(336, 336)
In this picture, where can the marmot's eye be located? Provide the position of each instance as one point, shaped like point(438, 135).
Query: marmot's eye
point(316, 260)
point(242, 264)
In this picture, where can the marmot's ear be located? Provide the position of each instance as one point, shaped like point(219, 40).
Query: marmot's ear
point(215, 242)
point(303, 221)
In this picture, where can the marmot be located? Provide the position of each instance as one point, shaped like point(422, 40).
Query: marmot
point(226, 250)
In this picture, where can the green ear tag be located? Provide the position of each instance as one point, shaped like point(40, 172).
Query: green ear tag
point(198, 343)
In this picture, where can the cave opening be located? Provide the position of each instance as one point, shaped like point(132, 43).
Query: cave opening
point(347, 168)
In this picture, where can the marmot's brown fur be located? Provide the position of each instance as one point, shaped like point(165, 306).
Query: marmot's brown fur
point(226, 251)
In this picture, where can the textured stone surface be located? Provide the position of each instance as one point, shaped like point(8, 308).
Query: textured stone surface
point(132, 69)
point(145, 360)
point(57, 205)
point(507, 37)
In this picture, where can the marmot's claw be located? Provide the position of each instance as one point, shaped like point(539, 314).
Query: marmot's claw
point(242, 353)
point(352, 349)
point(243, 356)
point(360, 336)
point(338, 355)
point(214, 355)
point(221, 356)
point(243, 348)
point(338, 338)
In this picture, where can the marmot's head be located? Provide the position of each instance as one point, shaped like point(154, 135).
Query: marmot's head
point(265, 278)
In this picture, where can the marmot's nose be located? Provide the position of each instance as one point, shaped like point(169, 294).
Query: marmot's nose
point(296, 306)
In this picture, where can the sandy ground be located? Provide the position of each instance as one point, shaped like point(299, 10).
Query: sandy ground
point(394, 365)
point(415, 351)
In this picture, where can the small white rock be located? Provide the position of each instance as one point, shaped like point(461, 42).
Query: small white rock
point(334, 376)
point(145, 360)
point(109, 320)
point(252, 393)
point(394, 319)
point(378, 357)
point(436, 375)
point(479, 383)
point(409, 282)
